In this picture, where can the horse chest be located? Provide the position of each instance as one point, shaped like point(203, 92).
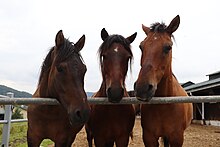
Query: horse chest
point(113, 112)
point(47, 112)
point(162, 115)
point(105, 118)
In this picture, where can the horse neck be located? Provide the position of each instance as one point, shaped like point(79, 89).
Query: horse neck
point(169, 86)
point(102, 90)
point(43, 87)
point(165, 86)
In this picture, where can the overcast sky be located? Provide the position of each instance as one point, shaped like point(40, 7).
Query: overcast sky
point(28, 29)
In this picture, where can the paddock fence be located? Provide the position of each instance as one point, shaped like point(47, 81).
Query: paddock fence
point(10, 100)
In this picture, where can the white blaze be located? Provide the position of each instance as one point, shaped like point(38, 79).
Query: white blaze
point(116, 50)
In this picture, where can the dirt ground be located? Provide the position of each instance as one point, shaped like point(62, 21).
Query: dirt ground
point(195, 136)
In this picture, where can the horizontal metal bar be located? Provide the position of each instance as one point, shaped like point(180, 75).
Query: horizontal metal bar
point(27, 101)
point(125, 100)
point(3, 96)
point(160, 100)
point(13, 121)
point(3, 121)
point(18, 120)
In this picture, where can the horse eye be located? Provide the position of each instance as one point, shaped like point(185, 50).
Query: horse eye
point(166, 49)
point(59, 68)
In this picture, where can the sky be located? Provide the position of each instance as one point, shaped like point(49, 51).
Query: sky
point(28, 29)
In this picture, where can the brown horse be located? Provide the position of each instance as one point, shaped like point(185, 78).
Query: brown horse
point(110, 124)
point(62, 77)
point(156, 79)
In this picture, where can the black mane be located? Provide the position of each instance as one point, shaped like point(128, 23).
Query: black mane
point(45, 68)
point(158, 27)
point(114, 39)
point(63, 53)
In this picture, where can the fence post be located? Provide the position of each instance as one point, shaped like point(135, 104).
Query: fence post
point(203, 113)
point(7, 126)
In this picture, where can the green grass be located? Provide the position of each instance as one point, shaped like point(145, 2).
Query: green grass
point(18, 135)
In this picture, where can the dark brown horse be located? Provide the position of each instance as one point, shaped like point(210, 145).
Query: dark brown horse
point(111, 124)
point(156, 79)
point(62, 77)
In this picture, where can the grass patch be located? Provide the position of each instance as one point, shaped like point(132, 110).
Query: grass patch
point(18, 135)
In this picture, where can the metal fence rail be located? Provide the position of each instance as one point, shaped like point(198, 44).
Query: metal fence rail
point(125, 100)
point(9, 100)
point(13, 121)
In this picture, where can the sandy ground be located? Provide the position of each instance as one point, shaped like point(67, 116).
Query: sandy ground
point(195, 136)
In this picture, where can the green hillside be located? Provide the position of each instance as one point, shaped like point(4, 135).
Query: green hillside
point(4, 90)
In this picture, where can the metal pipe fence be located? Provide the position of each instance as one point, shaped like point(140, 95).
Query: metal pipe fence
point(9, 100)
point(125, 100)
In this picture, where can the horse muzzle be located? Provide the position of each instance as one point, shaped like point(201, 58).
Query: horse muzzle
point(145, 92)
point(79, 115)
point(115, 94)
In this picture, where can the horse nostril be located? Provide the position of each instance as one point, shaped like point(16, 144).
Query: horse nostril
point(78, 114)
point(145, 92)
point(150, 87)
point(109, 91)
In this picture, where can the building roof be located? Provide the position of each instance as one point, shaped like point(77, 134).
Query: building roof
point(186, 84)
point(203, 85)
point(218, 72)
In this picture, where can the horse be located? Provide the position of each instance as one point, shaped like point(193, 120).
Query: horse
point(61, 77)
point(110, 124)
point(157, 79)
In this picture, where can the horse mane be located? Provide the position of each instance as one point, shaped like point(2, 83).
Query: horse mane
point(64, 52)
point(174, 76)
point(114, 39)
point(160, 28)
point(46, 65)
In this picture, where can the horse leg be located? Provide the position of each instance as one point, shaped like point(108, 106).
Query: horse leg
point(165, 142)
point(62, 142)
point(89, 136)
point(109, 144)
point(100, 142)
point(62, 145)
point(33, 141)
point(176, 140)
point(122, 141)
point(150, 140)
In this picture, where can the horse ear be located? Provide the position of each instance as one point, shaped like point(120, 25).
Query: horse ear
point(174, 24)
point(104, 34)
point(59, 38)
point(80, 43)
point(145, 29)
point(132, 37)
